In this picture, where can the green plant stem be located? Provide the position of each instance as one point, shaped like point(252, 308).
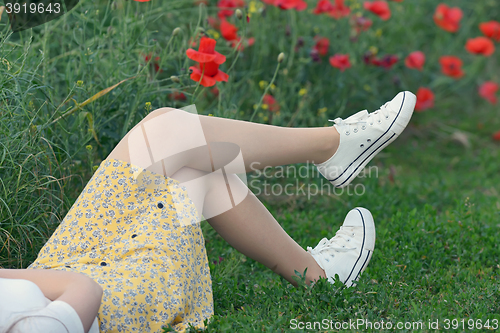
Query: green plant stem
point(293, 27)
point(265, 92)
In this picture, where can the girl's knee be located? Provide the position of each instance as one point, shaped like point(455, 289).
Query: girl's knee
point(164, 133)
point(225, 192)
point(237, 188)
point(159, 112)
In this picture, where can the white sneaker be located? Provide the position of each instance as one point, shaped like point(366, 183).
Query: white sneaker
point(350, 250)
point(363, 135)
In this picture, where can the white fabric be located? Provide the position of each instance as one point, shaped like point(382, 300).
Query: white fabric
point(24, 309)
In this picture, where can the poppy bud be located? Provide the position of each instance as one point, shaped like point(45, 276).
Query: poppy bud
point(175, 79)
point(176, 31)
point(238, 14)
point(300, 42)
point(281, 57)
point(315, 55)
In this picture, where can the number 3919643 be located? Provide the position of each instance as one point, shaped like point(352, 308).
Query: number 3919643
point(470, 324)
point(38, 8)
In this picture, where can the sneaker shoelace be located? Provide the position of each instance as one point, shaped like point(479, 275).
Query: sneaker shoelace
point(328, 246)
point(361, 119)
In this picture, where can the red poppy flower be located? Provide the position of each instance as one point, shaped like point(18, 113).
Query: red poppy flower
point(415, 60)
point(448, 18)
point(451, 66)
point(271, 102)
point(207, 70)
point(154, 63)
point(387, 61)
point(288, 4)
point(322, 45)
point(379, 8)
point(298, 5)
point(226, 5)
point(178, 96)
point(488, 90)
point(339, 10)
point(228, 31)
point(491, 29)
point(315, 55)
point(323, 6)
point(496, 136)
point(480, 45)
point(368, 58)
point(340, 61)
point(360, 23)
point(425, 99)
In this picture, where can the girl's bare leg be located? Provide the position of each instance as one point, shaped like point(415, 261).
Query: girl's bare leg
point(249, 227)
point(168, 131)
point(266, 145)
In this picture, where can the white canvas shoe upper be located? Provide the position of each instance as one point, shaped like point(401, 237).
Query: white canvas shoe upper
point(350, 250)
point(363, 135)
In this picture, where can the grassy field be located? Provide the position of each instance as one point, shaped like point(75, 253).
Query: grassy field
point(434, 193)
point(436, 255)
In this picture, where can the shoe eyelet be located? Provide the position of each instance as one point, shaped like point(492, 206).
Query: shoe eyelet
point(347, 133)
point(371, 124)
point(362, 145)
point(379, 121)
point(369, 140)
point(355, 130)
point(386, 117)
point(363, 127)
point(353, 234)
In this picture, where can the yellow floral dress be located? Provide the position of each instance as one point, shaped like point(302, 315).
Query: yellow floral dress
point(142, 242)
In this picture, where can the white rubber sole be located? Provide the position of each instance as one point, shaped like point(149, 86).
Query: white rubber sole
point(367, 247)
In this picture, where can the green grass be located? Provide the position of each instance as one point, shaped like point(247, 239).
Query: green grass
point(436, 255)
point(435, 201)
